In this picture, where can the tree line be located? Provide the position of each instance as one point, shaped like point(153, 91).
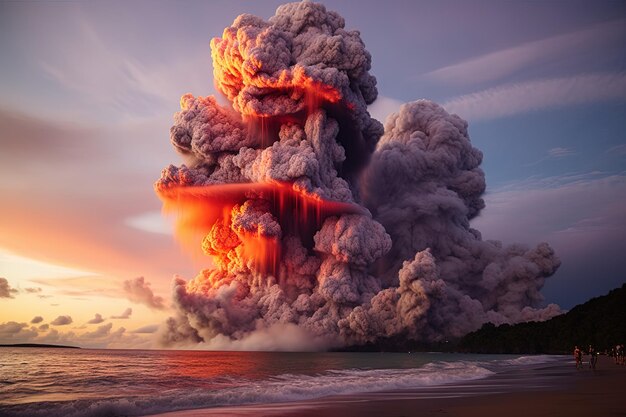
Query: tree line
point(600, 322)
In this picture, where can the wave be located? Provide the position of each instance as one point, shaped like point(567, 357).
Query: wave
point(529, 360)
point(277, 389)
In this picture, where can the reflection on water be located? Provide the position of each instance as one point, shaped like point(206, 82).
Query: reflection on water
point(72, 382)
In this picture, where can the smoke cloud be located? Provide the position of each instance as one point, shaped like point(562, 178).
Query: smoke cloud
point(324, 229)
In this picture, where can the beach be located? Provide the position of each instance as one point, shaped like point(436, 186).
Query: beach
point(570, 392)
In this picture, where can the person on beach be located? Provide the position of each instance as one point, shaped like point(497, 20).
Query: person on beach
point(593, 357)
point(578, 356)
point(619, 354)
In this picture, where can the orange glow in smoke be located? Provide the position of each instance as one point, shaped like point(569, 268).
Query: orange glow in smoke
point(204, 220)
point(234, 71)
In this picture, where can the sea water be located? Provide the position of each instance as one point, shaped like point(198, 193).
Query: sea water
point(85, 382)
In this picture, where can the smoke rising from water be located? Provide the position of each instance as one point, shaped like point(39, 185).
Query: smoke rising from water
point(324, 228)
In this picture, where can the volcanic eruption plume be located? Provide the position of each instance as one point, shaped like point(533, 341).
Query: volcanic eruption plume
point(319, 222)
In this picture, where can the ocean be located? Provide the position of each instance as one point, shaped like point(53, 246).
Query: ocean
point(84, 382)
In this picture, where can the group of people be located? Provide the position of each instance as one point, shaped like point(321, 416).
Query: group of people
point(593, 357)
point(617, 352)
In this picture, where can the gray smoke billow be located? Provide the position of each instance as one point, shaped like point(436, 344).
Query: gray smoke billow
point(387, 249)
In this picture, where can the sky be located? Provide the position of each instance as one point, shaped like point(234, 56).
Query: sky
point(88, 91)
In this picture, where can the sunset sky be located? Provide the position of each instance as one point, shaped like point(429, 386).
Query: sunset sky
point(88, 90)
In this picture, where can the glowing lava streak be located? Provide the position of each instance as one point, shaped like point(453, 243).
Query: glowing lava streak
point(241, 225)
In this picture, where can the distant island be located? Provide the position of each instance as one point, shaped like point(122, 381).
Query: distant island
point(40, 345)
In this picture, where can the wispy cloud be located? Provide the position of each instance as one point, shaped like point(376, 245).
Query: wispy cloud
point(499, 64)
point(542, 208)
point(617, 150)
point(112, 77)
point(152, 328)
point(23, 268)
point(151, 222)
point(511, 99)
point(82, 286)
point(560, 152)
point(552, 154)
point(125, 315)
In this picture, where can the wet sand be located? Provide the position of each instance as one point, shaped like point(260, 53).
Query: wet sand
point(557, 391)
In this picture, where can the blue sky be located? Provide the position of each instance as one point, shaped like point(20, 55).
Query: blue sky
point(88, 90)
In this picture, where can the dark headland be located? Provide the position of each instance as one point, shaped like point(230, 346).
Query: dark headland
point(600, 322)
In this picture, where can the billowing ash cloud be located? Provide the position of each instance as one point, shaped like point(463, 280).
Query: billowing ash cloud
point(322, 228)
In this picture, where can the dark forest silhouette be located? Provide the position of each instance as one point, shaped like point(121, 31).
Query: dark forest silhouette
point(600, 322)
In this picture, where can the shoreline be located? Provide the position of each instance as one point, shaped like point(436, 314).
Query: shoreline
point(561, 390)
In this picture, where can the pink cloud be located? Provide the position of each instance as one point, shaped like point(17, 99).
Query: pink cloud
point(138, 290)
